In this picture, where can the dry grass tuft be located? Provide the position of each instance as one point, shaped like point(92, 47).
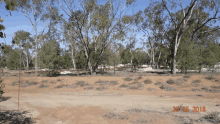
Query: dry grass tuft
point(148, 81)
point(115, 116)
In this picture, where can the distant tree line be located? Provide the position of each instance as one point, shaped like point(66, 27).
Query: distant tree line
point(103, 34)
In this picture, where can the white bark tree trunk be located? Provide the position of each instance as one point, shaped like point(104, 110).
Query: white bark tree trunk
point(89, 63)
point(36, 51)
point(27, 61)
point(153, 57)
point(73, 58)
point(158, 59)
point(131, 60)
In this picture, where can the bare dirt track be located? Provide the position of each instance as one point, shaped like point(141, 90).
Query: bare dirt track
point(104, 100)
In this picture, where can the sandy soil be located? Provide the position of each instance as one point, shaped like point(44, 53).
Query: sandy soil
point(73, 104)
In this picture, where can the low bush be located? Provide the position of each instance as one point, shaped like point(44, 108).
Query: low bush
point(213, 117)
point(148, 81)
point(128, 79)
point(43, 86)
point(167, 88)
point(82, 83)
point(170, 81)
point(115, 116)
point(196, 81)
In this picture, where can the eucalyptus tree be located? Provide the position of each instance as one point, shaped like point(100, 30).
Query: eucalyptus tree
point(34, 11)
point(72, 41)
point(5, 49)
point(25, 42)
point(13, 59)
point(49, 55)
point(95, 21)
point(154, 28)
point(180, 25)
point(10, 5)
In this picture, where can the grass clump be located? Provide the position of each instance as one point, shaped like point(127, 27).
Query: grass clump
point(210, 90)
point(167, 88)
point(158, 83)
point(138, 78)
point(10, 117)
point(59, 86)
point(150, 89)
point(81, 83)
point(210, 77)
point(136, 110)
point(44, 81)
point(27, 83)
point(43, 86)
point(135, 85)
point(216, 87)
point(140, 121)
point(101, 88)
point(128, 79)
point(181, 80)
point(186, 76)
point(170, 81)
point(101, 83)
point(196, 81)
point(213, 117)
point(52, 82)
point(14, 83)
point(124, 86)
point(59, 80)
point(113, 83)
point(89, 88)
point(195, 89)
point(115, 116)
point(148, 81)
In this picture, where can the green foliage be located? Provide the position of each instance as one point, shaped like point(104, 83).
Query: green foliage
point(65, 61)
point(125, 56)
point(10, 5)
point(2, 27)
point(49, 55)
point(2, 63)
point(13, 59)
point(81, 61)
point(188, 56)
point(140, 57)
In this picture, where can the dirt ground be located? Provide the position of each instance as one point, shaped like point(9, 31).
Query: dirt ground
point(110, 100)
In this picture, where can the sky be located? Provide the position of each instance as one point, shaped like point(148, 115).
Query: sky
point(17, 21)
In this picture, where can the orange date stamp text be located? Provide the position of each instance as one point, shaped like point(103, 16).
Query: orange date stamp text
point(186, 109)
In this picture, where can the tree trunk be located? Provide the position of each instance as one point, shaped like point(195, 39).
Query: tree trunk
point(36, 49)
point(88, 61)
point(174, 60)
point(73, 58)
point(131, 60)
point(27, 62)
point(23, 62)
point(114, 66)
point(158, 60)
point(153, 57)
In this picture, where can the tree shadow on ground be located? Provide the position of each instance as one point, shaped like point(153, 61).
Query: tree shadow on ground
point(14, 117)
point(3, 98)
